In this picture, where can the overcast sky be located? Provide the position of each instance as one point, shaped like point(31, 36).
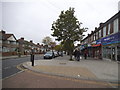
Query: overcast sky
point(33, 20)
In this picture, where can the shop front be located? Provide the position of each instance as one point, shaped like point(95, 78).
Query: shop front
point(111, 47)
point(97, 51)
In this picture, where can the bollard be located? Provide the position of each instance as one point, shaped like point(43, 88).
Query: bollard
point(32, 59)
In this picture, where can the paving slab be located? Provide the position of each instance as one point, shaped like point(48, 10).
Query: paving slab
point(87, 69)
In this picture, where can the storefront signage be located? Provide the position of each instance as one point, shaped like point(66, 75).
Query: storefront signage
point(115, 38)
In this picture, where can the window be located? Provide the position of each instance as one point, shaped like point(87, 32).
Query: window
point(5, 49)
point(111, 28)
point(99, 33)
point(0, 49)
point(108, 29)
point(104, 31)
point(115, 26)
point(0, 41)
point(96, 35)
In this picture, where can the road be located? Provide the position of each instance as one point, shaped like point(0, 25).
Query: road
point(9, 66)
point(30, 79)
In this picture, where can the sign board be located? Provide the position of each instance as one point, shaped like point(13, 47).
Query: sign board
point(115, 38)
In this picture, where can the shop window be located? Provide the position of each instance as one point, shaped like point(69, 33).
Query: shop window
point(107, 51)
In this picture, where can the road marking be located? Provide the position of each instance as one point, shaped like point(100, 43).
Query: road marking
point(18, 67)
point(15, 73)
point(9, 67)
point(75, 80)
point(12, 75)
point(6, 68)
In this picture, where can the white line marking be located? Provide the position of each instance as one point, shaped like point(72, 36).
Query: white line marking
point(12, 75)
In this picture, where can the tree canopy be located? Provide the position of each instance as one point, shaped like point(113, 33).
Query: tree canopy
point(67, 29)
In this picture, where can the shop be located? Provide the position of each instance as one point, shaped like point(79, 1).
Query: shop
point(97, 51)
point(111, 47)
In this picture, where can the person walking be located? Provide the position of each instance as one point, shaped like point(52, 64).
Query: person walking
point(85, 54)
point(74, 53)
point(77, 55)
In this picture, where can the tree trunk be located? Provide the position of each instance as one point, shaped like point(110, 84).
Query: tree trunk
point(70, 55)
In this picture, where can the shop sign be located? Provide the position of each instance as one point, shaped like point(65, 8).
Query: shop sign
point(115, 38)
point(94, 42)
point(97, 45)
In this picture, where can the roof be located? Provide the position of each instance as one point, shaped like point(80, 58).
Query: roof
point(6, 36)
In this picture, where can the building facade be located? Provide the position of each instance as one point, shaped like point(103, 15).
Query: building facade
point(8, 43)
point(104, 41)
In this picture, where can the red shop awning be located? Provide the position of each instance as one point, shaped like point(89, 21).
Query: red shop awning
point(96, 45)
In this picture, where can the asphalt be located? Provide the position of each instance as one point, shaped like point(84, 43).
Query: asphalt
point(90, 69)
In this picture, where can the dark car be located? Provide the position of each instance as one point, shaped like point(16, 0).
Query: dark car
point(49, 55)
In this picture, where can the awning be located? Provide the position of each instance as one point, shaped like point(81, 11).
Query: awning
point(96, 45)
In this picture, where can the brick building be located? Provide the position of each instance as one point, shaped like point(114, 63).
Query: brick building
point(104, 41)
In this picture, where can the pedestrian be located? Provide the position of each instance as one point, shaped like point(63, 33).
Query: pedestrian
point(77, 55)
point(74, 53)
point(85, 54)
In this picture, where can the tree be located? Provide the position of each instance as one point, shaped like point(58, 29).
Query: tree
point(47, 40)
point(68, 29)
point(52, 45)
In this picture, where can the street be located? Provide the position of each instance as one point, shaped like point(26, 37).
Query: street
point(15, 76)
point(9, 66)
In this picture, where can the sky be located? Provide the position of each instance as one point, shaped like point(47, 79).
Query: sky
point(32, 19)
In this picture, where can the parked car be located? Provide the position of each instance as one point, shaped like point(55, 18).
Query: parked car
point(60, 53)
point(49, 55)
point(56, 53)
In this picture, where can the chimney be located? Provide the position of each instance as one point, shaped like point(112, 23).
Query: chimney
point(3, 32)
point(38, 44)
point(101, 24)
point(118, 6)
point(22, 38)
point(95, 28)
point(92, 32)
point(31, 41)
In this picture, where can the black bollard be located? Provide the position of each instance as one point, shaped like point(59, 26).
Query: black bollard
point(32, 59)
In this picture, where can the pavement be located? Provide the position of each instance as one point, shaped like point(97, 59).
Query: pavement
point(90, 69)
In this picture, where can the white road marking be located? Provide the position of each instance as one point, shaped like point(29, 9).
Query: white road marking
point(12, 75)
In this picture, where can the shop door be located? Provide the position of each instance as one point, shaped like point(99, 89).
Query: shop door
point(113, 53)
point(118, 53)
